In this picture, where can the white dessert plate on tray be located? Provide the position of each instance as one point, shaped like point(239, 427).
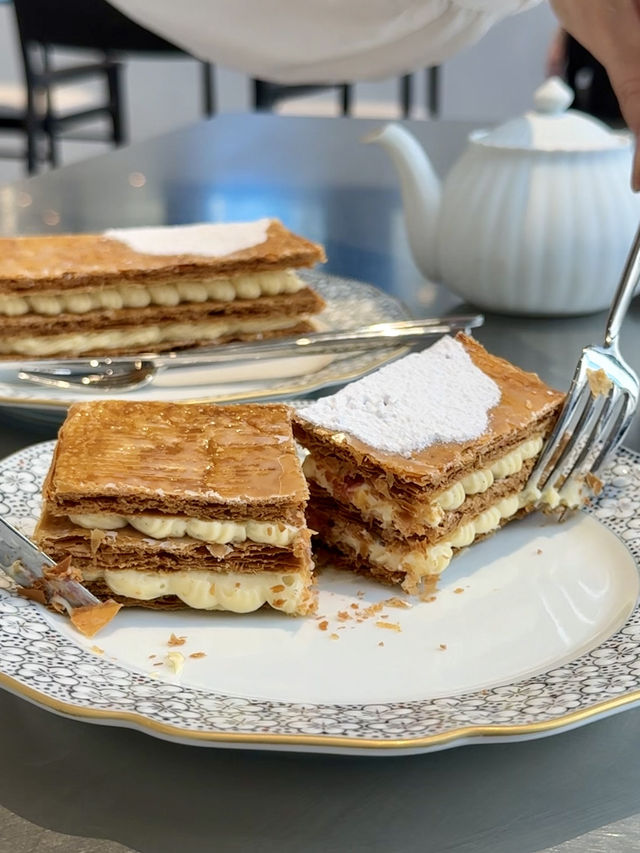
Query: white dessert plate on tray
point(350, 304)
point(533, 631)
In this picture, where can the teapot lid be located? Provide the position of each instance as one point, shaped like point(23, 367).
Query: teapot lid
point(551, 126)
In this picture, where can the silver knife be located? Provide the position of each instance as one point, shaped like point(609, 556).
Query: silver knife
point(23, 562)
point(312, 343)
point(128, 372)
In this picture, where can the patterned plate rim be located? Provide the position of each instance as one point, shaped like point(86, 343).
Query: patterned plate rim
point(596, 683)
point(387, 308)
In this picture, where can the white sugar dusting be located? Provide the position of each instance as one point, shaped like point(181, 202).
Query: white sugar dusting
point(207, 240)
point(436, 396)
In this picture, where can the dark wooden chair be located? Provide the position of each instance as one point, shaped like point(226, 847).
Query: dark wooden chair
point(93, 25)
point(266, 95)
point(432, 93)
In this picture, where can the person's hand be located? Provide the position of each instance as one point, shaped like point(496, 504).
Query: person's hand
point(610, 30)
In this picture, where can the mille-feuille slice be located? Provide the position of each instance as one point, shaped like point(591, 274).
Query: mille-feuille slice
point(135, 290)
point(423, 458)
point(170, 505)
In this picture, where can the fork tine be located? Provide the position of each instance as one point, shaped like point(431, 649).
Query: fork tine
point(617, 431)
point(586, 424)
point(576, 393)
point(601, 424)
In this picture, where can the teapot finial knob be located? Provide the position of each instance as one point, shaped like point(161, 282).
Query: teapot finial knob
point(554, 96)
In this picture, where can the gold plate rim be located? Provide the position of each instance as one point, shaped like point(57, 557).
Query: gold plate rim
point(423, 743)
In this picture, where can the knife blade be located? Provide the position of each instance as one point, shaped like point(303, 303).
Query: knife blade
point(312, 343)
point(23, 561)
point(26, 564)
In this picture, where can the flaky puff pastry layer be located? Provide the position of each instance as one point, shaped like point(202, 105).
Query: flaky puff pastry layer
point(60, 262)
point(199, 460)
point(283, 306)
point(130, 549)
point(527, 406)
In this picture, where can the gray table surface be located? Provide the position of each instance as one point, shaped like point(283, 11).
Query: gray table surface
point(74, 786)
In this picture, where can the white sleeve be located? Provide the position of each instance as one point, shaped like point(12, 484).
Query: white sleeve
point(500, 7)
point(324, 41)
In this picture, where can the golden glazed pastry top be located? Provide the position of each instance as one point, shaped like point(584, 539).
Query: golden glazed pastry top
point(527, 406)
point(125, 456)
point(59, 262)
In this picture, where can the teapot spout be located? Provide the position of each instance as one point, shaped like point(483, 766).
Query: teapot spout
point(421, 193)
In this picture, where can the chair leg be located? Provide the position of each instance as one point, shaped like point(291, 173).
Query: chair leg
point(208, 89)
point(345, 99)
point(53, 149)
point(33, 127)
point(31, 131)
point(116, 111)
point(49, 118)
point(406, 94)
point(262, 99)
point(433, 91)
point(32, 123)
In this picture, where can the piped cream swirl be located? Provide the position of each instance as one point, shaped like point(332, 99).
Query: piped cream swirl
point(418, 563)
point(207, 530)
point(149, 335)
point(430, 513)
point(130, 295)
point(235, 591)
point(481, 480)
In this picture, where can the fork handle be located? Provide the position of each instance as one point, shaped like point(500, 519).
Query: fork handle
point(624, 293)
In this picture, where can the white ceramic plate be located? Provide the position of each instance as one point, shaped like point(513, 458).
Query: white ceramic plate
point(532, 631)
point(349, 304)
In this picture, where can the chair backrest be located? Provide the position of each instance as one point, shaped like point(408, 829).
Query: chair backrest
point(93, 24)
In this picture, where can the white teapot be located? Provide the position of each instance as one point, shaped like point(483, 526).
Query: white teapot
point(536, 217)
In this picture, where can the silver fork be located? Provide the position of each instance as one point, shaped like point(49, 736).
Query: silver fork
point(600, 403)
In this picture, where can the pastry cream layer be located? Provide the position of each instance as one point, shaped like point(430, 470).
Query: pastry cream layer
point(124, 294)
point(234, 591)
point(207, 530)
point(432, 560)
point(574, 494)
point(483, 479)
point(431, 513)
point(142, 336)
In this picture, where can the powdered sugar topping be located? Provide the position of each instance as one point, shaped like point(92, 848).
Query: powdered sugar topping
point(436, 396)
point(205, 239)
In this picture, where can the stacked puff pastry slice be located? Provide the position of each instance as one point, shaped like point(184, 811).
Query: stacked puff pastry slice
point(137, 290)
point(169, 505)
point(400, 515)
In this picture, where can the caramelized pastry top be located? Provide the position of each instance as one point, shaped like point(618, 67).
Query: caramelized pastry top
point(60, 262)
point(526, 403)
point(175, 458)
